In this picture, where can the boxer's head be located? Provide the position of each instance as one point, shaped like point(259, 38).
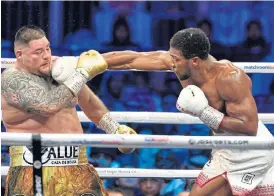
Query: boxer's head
point(32, 50)
point(188, 48)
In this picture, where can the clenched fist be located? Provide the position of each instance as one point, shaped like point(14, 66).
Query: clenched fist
point(111, 126)
point(123, 129)
point(74, 72)
point(91, 63)
point(193, 101)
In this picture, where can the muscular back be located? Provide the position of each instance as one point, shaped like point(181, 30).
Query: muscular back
point(32, 103)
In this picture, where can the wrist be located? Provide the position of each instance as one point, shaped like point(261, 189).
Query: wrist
point(84, 72)
point(108, 124)
point(75, 82)
point(212, 117)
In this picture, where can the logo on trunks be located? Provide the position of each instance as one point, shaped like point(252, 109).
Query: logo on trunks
point(247, 178)
point(57, 154)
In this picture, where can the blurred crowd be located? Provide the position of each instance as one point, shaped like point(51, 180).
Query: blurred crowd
point(235, 34)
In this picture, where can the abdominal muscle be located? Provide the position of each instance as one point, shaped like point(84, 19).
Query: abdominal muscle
point(64, 121)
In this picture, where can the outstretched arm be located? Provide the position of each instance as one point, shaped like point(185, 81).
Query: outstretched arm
point(242, 117)
point(32, 93)
point(157, 60)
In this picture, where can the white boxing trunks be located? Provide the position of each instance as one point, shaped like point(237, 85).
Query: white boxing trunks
point(249, 172)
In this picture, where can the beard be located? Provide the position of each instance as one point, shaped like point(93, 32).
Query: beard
point(184, 76)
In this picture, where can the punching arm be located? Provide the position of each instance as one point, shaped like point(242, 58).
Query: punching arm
point(157, 60)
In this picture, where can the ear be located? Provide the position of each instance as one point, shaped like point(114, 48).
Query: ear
point(19, 54)
point(195, 61)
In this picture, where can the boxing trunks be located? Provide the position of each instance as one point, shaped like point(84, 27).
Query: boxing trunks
point(249, 172)
point(66, 172)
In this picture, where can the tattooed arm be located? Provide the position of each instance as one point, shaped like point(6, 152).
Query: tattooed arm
point(32, 93)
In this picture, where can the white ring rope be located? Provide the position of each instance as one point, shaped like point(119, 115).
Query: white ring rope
point(163, 117)
point(246, 66)
point(142, 141)
point(136, 173)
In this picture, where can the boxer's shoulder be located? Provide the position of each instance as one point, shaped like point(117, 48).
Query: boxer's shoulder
point(14, 79)
point(229, 72)
point(8, 71)
point(16, 74)
point(232, 79)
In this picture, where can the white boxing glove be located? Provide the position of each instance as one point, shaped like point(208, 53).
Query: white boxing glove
point(63, 67)
point(74, 72)
point(192, 100)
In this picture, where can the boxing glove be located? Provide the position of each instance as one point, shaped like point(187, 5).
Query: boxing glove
point(110, 126)
point(91, 64)
point(193, 101)
point(88, 65)
point(63, 67)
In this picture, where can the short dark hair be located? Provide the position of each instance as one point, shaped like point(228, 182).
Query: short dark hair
point(192, 42)
point(28, 33)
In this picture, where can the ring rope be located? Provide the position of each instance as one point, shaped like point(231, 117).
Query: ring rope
point(143, 141)
point(248, 67)
point(136, 173)
point(163, 117)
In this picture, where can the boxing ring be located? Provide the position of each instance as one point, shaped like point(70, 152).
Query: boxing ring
point(150, 141)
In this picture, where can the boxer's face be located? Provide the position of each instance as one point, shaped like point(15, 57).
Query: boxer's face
point(36, 56)
point(182, 65)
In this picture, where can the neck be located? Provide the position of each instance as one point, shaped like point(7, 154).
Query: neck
point(202, 73)
point(21, 67)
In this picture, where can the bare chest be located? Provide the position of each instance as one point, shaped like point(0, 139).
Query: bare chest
point(213, 96)
point(64, 121)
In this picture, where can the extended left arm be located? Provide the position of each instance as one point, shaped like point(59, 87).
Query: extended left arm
point(155, 60)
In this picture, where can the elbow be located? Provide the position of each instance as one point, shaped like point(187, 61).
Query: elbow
point(251, 128)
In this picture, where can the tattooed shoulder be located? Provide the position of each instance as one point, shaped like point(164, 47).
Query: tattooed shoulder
point(20, 88)
point(34, 94)
point(17, 80)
